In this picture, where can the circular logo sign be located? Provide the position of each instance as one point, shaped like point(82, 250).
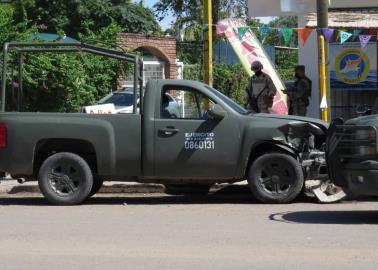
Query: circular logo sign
point(352, 66)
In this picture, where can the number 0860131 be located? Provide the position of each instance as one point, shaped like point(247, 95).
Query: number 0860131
point(199, 145)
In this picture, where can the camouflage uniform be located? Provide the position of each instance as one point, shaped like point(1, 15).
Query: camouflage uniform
point(299, 96)
point(260, 93)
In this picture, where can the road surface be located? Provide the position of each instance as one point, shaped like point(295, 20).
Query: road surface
point(163, 232)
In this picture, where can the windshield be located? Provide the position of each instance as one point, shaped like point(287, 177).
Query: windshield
point(119, 99)
point(228, 101)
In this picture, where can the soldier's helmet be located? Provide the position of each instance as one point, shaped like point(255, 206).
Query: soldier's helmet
point(256, 66)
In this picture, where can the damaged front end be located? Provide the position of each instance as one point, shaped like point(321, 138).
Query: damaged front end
point(309, 141)
point(352, 156)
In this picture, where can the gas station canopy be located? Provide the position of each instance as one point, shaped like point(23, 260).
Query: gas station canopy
point(258, 8)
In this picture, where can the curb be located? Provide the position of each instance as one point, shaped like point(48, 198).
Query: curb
point(11, 187)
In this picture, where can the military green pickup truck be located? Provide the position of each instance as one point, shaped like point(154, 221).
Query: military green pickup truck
point(212, 140)
point(353, 155)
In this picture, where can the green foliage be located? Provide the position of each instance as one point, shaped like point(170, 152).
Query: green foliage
point(9, 29)
point(231, 80)
point(189, 52)
point(70, 15)
point(60, 82)
point(189, 13)
point(286, 60)
point(66, 82)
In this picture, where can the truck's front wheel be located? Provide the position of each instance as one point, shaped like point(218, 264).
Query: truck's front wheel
point(65, 179)
point(276, 178)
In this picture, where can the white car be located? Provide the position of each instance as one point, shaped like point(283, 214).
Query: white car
point(123, 102)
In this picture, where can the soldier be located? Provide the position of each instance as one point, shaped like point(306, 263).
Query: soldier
point(300, 94)
point(260, 91)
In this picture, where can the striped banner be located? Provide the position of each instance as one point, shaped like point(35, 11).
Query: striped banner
point(249, 49)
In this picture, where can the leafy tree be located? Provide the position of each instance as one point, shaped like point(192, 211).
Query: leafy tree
point(189, 12)
point(70, 15)
point(231, 80)
point(60, 82)
point(65, 82)
point(9, 29)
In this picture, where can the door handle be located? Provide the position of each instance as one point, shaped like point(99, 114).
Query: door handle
point(169, 131)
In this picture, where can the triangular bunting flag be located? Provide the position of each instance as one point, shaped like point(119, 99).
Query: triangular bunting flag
point(344, 36)
point(372, 31)
point(242, 31)
point(328, 34)
point(364, 40)
point(287, 33)
point(205, 27)
point(304, 34)
point(264, 31)
point(356, 33)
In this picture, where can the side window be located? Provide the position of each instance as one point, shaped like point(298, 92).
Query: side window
point(184, 103)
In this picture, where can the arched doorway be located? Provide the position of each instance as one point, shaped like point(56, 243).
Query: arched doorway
point(159, 54)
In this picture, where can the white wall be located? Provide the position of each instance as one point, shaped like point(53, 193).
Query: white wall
point(308, 56)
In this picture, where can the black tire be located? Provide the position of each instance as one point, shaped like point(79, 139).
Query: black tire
point(276, 178)
point(97, 184)
point(65, 179)
point(187, 189)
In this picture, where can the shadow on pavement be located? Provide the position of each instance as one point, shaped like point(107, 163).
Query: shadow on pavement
point(328, 217)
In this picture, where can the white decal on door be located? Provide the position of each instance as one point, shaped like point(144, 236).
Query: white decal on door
point(199, 141)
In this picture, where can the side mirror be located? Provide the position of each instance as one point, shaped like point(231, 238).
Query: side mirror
point(216, 112)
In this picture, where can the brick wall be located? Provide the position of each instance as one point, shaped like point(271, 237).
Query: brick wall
point(162, 47)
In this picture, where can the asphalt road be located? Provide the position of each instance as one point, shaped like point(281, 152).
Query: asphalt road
point(161, 232)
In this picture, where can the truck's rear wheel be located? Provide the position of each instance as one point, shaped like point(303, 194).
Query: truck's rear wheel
point(276, 178)
point(65, 179)
point(97, 184)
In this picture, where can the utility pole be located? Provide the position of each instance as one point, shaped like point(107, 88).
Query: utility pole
point(208, 43)
point(322, 15)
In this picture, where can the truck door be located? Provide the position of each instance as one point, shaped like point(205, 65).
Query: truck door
point(188, 142)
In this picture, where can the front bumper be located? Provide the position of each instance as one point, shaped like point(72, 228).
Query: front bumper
point(358, 183)
point(357, 174)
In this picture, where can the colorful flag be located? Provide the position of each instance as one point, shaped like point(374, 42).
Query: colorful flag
point(264, 31)
point(304, 34)
point(356, 33)
point(344, 36)
point(242, 31)
point(287, 33)
point(364, 40)
point(204, 27)
point(328, 34)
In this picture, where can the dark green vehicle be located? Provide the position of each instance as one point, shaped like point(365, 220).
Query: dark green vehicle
point(213, 140)
point(353, 155)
